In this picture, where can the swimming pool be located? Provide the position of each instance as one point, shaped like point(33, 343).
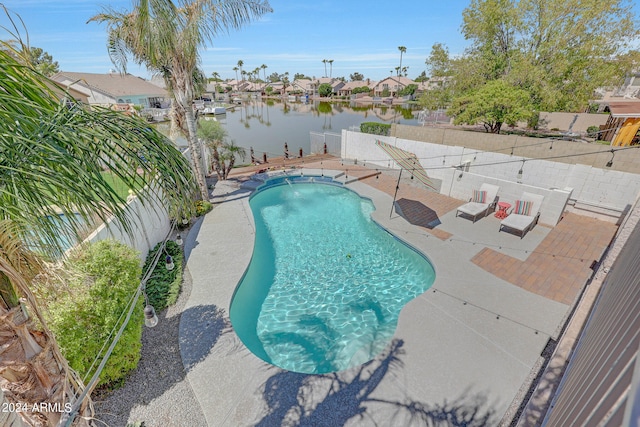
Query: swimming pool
point(325, 284)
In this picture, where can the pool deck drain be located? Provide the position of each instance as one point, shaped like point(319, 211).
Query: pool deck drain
point(462, 349)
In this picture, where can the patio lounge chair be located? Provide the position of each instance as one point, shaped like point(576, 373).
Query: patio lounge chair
point(525, 213)
point(481, 202)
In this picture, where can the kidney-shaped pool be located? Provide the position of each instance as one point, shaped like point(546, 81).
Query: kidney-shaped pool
point(326, 283)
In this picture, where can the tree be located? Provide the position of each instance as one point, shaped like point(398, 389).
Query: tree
point(494, 104)
point(436, 98)
point(213, 134)
point(560, 51)
point(236, 70)
point(274, 77)
point(166, 39)
point(491, 25)
point(324, 61)
point(361, 89)
point(330, 61)
point(439, 63)
point(422, 77)
point(325, 89)
point(55, 154)
point(402, 50)
point(356, 77)
point(264, 71)
point(228, 156)
point(284, 78)
point(240, 64)
point(409, 89)
point(43, 62)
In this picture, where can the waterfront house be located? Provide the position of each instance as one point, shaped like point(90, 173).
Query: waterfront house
point(113, 89)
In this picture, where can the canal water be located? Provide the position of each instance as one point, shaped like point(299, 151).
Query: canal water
point(267, 124)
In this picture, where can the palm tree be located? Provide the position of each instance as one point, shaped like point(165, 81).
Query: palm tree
point(228, 157)
point(213, 134)
point(166, 39)
point(240, 64)
point(330, 61)
point(402, 50)
point(236, 70)
point(55, 154)
point(264, 70)
point(325, 67)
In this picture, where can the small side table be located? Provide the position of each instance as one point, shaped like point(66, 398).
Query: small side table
point(502, 210)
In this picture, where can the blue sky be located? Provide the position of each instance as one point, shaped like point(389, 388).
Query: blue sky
point(360, 36)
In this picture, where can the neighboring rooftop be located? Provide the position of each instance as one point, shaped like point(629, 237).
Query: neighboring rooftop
point(113, 84)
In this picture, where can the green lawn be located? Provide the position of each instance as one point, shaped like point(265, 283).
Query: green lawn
point(117, 184)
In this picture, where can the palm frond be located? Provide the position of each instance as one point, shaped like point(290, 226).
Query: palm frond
point(53, 155)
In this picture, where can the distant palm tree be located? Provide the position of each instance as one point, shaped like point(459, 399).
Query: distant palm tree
point(325, 67)
point(215, 75)
point(240, 64)
point(236, 70)
point(330, 67)
point(264, 70)
point(402, 50)
point(166, 39)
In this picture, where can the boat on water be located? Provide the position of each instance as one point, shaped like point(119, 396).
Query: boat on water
point(214, 109)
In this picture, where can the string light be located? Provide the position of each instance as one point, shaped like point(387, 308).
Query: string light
point(169, 263)
point(520, 171)
point(150, 317)
point(610, 162)
point(179, 240)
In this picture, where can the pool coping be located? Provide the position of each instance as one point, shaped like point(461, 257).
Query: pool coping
point(485, 335)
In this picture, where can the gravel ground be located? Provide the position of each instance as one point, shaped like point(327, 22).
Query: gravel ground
point(157, 392)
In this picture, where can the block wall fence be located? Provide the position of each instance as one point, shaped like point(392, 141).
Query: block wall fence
point(150, 223)
point(461, 161)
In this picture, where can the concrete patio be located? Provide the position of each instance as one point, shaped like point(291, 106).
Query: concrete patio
point(464, 351)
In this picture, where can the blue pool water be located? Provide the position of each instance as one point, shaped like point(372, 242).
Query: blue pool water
point(325, 284)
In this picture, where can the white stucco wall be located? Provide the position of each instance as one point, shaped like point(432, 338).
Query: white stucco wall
point(609, 192)
point(150, 224)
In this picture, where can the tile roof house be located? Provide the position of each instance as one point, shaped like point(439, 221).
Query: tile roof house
point(336, 84)
point(348, 87)
point(307, 86)
point(113, 88)
point(391, 84)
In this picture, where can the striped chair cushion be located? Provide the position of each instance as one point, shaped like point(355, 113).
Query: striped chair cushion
point(479, 196)
point(523, 207)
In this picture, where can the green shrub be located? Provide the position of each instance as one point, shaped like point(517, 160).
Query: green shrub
point(375, 128)
point(325, 89)
point(202, 207)
point(103, 278)
point(593, 131)
point(163, 286)
point(360, 89)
